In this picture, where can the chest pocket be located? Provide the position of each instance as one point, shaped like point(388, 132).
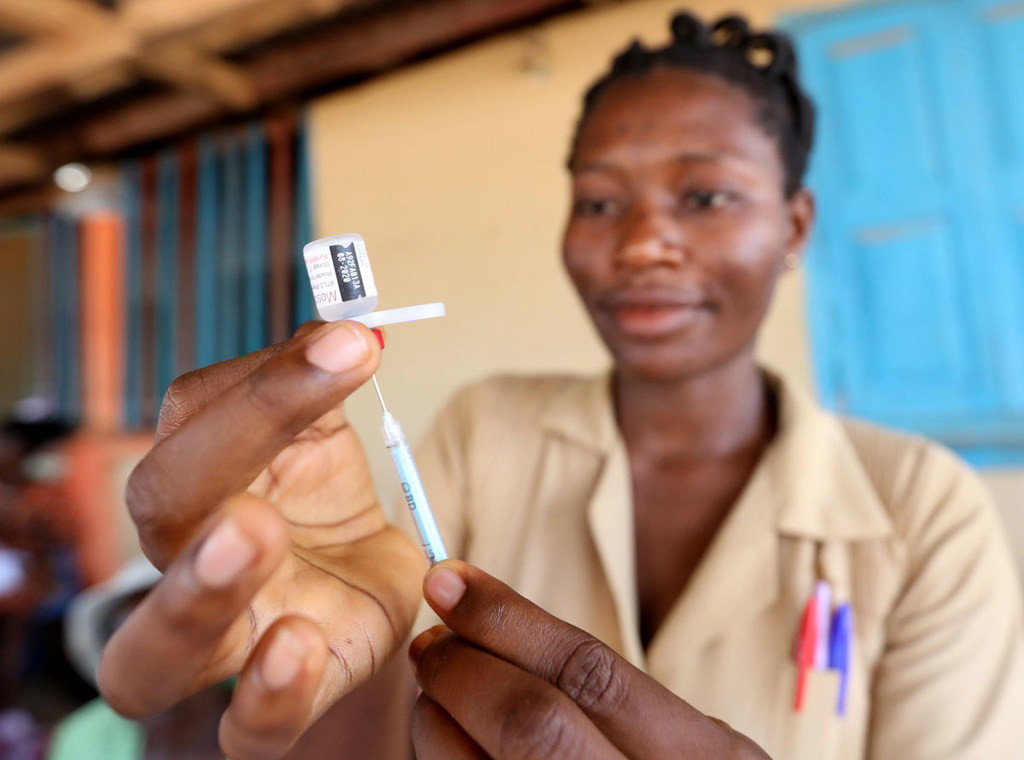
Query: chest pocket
point(866, 574)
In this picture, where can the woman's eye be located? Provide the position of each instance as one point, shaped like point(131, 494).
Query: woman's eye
point(596, 207)
point(703, 200)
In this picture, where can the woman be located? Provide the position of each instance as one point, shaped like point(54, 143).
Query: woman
point(681, 511)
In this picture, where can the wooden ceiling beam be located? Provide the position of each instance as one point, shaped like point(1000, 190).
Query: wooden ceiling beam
point(35, 200)
point(343, 51)
point(81, 64)
point(50, 102)
point(382, 41)
point(72, 61)
point(371, 44)
point(17, 115)
point(242, 28)
point(120, 45)
point(27, 71)
point(20, 163)
point(161, 19)
point(195, 71)
point(143, 121)
point(43, 19)
point(112, 48)
point(101, 82)
point(157, 20)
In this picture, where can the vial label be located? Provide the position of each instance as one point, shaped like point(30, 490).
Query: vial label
point(322, 278)
point(346, 266)
point(341, 277)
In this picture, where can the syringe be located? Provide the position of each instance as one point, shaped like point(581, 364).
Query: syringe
point(412, 488)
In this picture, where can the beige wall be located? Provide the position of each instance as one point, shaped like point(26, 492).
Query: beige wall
point(452, 171)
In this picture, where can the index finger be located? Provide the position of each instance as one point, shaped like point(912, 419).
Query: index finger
point(221, 448)
point(194, 390)
point(627, 705)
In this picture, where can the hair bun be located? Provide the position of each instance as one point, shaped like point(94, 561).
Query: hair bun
point(731, 31)
point(783, 57)
point(688, 29)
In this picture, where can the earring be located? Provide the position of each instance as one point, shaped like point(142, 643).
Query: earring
point(792, 261)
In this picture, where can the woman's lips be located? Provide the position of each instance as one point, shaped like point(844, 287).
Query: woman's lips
point(656, 321)
point(651, 316)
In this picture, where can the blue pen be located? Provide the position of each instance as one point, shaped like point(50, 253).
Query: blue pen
point(840, 651)
point(412, 487)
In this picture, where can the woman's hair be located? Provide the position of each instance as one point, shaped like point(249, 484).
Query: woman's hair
point(762, 64)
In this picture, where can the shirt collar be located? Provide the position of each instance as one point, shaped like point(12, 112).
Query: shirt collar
point(582, 411)
point(823, 491)
point(829, 495)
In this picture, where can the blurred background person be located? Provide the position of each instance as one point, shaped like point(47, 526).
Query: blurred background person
point(40, 574)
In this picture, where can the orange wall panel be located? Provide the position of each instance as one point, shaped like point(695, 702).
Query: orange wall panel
point(102, 314)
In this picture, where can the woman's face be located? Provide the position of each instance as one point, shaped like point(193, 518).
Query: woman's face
point(679, 225)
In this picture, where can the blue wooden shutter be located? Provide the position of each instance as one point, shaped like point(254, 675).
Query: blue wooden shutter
point(913, 274)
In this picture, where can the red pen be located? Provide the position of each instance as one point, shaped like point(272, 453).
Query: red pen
point(806, 644)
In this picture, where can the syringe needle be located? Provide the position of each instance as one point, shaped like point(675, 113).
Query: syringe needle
point(380, 397)
point(412, 486)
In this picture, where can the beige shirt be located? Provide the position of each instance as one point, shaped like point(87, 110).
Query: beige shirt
point(530, 480)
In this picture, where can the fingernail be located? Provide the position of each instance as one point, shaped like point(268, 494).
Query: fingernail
point(339, 348)
point(380, 336)
point(283, 660)
point(421, 642)
point(443, 588)
point(223, 556)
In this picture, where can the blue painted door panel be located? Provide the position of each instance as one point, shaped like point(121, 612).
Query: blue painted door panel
point(917, 266)
point(998, 48)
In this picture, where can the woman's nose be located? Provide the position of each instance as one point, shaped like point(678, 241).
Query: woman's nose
point(650, 239)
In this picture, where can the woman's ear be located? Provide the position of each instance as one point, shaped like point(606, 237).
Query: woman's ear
point(800, 211)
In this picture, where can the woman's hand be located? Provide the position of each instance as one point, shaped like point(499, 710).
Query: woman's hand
point(279, 564)
point(507, 680)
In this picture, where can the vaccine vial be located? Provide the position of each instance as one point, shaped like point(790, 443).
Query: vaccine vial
point(339, 272)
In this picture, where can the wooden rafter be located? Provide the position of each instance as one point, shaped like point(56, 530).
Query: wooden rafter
point(45, 65)
point(78, 38)
point(143, 121)
point(79, 42)
point(41, 19)
point(370, 45)
point(85, 88)
point(19, 162)
point(243, 27)
point(383, 41)
point(16, 116)
point(195, 71)
point(155, 19)
point(114, 77)
point(180, 43)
